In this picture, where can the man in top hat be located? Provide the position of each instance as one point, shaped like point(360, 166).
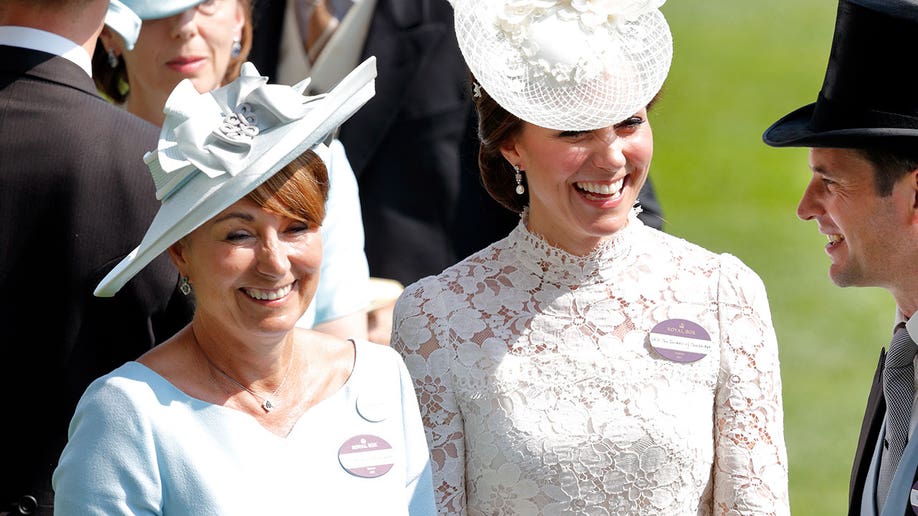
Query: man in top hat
point(75, 197)
point(862, 133)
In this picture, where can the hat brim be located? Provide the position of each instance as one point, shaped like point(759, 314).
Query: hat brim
point(156, 9)
point(126, 20)
point(794, 130)
point(202, 197)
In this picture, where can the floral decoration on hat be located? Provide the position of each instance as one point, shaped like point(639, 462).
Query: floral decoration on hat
point(566, 64)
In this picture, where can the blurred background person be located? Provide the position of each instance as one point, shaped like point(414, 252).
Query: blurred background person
point(586, 363)
point(241, 412)
point(207, 42)
point(75, 198)
point(414, 147)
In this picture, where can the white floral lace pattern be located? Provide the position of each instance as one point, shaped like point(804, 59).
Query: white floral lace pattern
point(542, 394)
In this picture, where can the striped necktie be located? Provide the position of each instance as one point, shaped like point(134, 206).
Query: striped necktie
point(899, 390)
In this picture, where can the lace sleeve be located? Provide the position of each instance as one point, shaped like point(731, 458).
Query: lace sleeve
point(750, 465)
point(421, 340)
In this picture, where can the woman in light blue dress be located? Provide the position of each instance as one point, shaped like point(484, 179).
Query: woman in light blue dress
point(241, 412)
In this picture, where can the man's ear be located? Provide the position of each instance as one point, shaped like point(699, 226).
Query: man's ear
point(911, 184)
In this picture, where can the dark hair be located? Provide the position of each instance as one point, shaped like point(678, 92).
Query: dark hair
point(891, 162)
point(112, 82)
point(298, 191)
point(496, 125)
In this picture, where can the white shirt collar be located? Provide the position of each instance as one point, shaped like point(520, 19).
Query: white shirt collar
point(911, 324)
point(43, 41)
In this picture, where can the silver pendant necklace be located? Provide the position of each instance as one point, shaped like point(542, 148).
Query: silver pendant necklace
point(267, 403)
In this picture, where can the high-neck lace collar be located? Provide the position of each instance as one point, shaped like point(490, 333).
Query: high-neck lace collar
point(557, 266)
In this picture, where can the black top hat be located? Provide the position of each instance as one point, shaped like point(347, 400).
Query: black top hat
point(870, 92)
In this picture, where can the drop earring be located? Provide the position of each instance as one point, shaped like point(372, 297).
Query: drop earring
point(520, 189)
point(112, 58)
point(185, 285)
point(237, 47)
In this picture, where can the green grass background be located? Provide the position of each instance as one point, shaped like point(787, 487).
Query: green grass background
point(737, 67)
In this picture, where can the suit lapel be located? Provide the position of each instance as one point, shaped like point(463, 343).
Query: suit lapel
point(870, 434)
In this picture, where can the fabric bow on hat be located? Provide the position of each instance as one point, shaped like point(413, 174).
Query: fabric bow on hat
point(215, 132)
point(216, 147)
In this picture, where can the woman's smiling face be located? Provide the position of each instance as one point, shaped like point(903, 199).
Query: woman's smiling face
point(582, 184)
point(252, 270)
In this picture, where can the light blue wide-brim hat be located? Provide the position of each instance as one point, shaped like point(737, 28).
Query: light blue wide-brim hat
point(125, 16)
point(217, 147)
point(154, 9)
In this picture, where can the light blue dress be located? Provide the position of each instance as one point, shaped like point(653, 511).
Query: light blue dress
point(344, 277)
point(138, 445)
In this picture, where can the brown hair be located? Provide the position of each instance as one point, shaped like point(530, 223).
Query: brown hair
point(113, 82)
point(890, 162)
point(495, 126)
point(298, 191)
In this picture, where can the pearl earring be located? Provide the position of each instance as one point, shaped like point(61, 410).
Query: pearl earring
point(520, 189)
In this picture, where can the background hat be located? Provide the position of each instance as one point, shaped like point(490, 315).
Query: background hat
point(216, 147)
point(154, 9)
point(870, 89)
point(566, 64)
point(121, 19)
point(125, 16)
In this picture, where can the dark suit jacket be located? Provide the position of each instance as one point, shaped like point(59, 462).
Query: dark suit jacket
point(867, 441)
point(414, 146)
point(870, 432)
point(75, 197)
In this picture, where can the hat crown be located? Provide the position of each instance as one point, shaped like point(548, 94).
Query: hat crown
point(868, 90)
point(567, 40)
point(866, 81)
point(566, 64)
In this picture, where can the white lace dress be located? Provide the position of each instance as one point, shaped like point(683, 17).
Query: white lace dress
point(544, 391)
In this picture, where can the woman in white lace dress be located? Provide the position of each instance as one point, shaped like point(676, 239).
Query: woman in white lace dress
point(586, 363)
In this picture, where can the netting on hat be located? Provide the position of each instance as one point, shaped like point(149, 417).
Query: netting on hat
point(552, 68)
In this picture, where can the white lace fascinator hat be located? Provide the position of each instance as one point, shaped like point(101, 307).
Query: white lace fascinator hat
point(215, 148)
point(566, 64)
